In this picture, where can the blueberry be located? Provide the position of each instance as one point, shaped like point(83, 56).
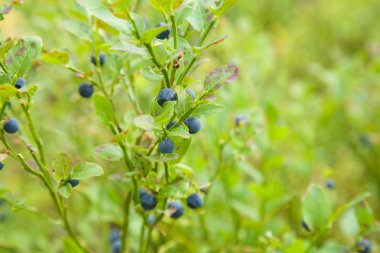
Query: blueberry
point(114, 235)
point(194, 125)
point(364, 246)
point(1, 166)
point(102, 58)
point(20, 82)
point(166, 94)
point(330, 184)
point(148, 202)
point(73, 182)
point(11, 126)
point(305, 226)
point(191, 93)
point(166, 146)
point(86, 90)
point(93, 59)
point(194, 201)
point(163, 35)
point(116, 246)
point(240, 120)
point(142, 192)
point(170, 124)
point(151, 219)
point(177, 208)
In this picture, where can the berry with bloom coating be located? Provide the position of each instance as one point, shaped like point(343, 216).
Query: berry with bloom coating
point(151, 219)
point(163, 35)
point(102, 58)
point(142, 192)
point(194, 201)
point(86, 90)
point(364, 246)
point(240, 120)
point(73, 182)
point(20, 83)
point(194, 125)
point(114, 235)
point(166, 146)
point(148, 202)
point(11, 126)
point(1, 166)
point(166, 94)
point(116, 246)
point(330, 183)
point(177, 209)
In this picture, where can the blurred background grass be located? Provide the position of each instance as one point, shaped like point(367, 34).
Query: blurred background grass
point(309, 88)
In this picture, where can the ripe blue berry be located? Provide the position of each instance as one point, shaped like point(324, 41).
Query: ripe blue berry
point(102, 58)
point(194, 201)
point(1, 166)
point(163, 35)
point(330, 184)
point(116, 246)
point(177, 209)
point(86, 90)
point(11, 126)
point(93, 60)
point(191, 93)
point(194, 125)
point(148, 202)
point(114, 235)
point(240, 120)
point(166, 94)
point(73, 182)
point(166, 146)
point(151, 219)
point(20, 83)
point(364, 246)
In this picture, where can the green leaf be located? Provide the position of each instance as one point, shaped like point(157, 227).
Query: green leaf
point(19, 59)
point(162, 158)
point(179, 132)
point(65, 190)
point(221, 75)
point(145, 122)
point(130, 48)
point(5, 47)
point(78, 28)
point(109, 152)
point(62, 166)
point(181, 148)
point(166, 6)
point(167, 113)
point(149, 35)
point(207, 109)
point(87, 170)
point(187, 170)
point(150, 74)
point(199, 17)
point(120, 137)
point(223, 7)
point(364, 215)
point(183, 102)
point(316, 208)
point(103, 109)
point(6, 92)
point(69, 246)
point(178, 190)
point(56, 57)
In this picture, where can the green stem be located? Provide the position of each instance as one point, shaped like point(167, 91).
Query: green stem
point(124, 234)
point(174, 30)
point(149, 238)
point(142, 233)
point(166, 173)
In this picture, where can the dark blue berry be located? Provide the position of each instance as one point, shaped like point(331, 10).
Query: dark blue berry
point(191, 93)
point(73, 182)
point(116, 246)
point(148, 202)
point(194, 125)
point(194, 201)
point(170, 124)
point(177, 209)
point(102, 58)
point(20, 82)
point(114, 235)
point(86, 90)
point(1, 166)
point(142, 192)
point(364, 246)
point(11, 126)
point(163, 35)
point(93, 60)
point(330, 184)
point(166, 146)
point(151, 219)
point(166, 94)
point(240, 120)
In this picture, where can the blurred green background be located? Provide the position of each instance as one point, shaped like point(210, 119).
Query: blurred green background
point(309, 87)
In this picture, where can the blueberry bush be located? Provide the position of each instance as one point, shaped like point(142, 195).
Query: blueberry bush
point(138, 126)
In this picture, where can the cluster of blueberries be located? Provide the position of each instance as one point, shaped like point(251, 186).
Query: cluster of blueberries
point(194, 125)
point(148, 202)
